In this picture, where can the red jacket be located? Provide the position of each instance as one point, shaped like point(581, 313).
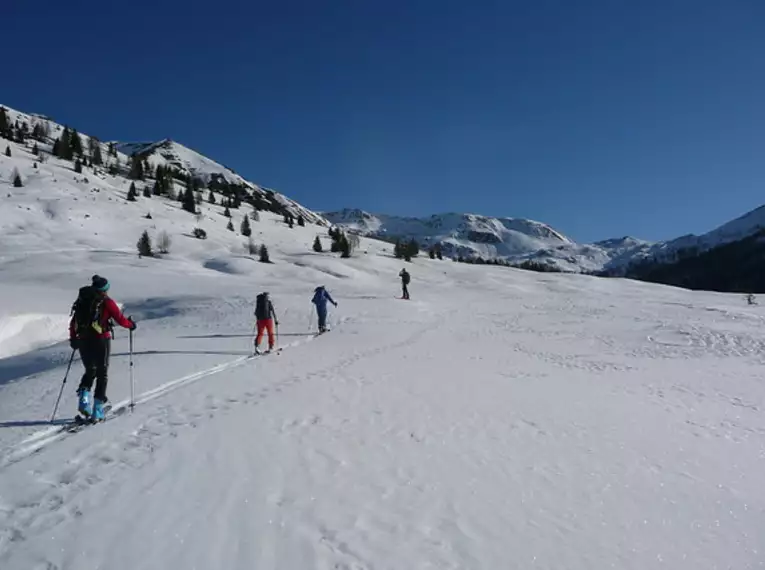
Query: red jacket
point(110, 311)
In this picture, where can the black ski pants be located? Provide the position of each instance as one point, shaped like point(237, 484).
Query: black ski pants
point(95, 357)
point(404, 290)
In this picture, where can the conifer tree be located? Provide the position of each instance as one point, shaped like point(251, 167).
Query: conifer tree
point(317, 247)
point(211, 197)
point(36, 150)
point(227, 212)
point(17, 182)
point(398, 250)
point(155, 188)
point(245, 228)
point(144, 245)
point(8, 150)
point(4, 123)
point(131, 196)
point(230, 226)
point(263, 254)
point(78, 166)
point(37, 132)
point(75, 143)
point(136, 168)
point(56, 147)
point(189, 203)
point(146, 192)
point(65, 145)
point(301, 221)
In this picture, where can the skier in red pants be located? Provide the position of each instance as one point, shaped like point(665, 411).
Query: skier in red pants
point(265, 318)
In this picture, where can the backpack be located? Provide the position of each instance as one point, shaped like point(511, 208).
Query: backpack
point(262, 303)
point(87, 311)
point(405, 278)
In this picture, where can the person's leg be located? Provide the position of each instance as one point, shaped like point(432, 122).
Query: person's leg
point(271, 339)
point(88, 362)
point(102, 368)
point(261, 330)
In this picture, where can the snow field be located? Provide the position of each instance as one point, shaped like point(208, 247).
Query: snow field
point(500, 419)
point(512, 420)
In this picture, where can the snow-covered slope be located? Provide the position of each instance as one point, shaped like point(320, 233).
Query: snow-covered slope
point(499, 419)
point(166, 152)
point(170, 153)
point(470, 235)
point(458, 234)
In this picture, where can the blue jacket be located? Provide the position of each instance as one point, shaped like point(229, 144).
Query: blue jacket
point(320, 298)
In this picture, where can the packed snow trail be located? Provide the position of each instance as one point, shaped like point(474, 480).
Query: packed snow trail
point(516, 421)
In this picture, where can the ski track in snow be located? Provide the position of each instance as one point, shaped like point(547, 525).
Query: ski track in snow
point(500, 419)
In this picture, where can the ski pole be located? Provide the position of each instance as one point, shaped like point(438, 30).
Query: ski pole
point(132, 382)
point(61, 392)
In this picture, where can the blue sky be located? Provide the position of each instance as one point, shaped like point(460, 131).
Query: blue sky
point(600, 117)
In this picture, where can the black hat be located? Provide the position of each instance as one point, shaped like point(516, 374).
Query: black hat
point(100, 283)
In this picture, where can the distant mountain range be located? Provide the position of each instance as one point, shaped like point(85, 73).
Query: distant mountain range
point(519, 240)
point(683, 261)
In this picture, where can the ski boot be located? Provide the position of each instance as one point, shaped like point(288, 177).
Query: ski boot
point(99, 411)
point(83, 405)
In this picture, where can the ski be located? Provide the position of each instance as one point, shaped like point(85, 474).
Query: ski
point(265, 353)
point(79, 421)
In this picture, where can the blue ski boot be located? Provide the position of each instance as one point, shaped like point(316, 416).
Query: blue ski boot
point(84, 403)
point(99, 411)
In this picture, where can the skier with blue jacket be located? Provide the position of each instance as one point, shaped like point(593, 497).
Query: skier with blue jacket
point(320, 298)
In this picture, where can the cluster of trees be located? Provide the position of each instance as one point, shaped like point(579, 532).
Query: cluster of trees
point(289, 219)
point(529, 264)
point(68, 145)
point(145, 247)
point(406, 250)
point(163, 181)
point(342, 243)
point(140, 167)
point(19, 132)
point(435, 252)
point(735, 267)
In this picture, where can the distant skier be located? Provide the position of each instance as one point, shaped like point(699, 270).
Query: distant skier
point(405, 278)
point(265, 318)
point(90, 332)
point(320, 298)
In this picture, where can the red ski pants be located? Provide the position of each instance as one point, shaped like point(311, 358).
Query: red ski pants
point(263, 326)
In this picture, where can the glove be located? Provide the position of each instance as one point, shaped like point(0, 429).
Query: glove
point(277, 323)
point(133, 326)
point(335, 305)
point(74, 343)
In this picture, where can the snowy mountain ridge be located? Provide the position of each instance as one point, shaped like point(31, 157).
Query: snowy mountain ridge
point(168, 152)
point(472, 235)
point(518, 239)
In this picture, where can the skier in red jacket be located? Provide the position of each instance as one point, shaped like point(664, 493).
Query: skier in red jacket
point(90, 332)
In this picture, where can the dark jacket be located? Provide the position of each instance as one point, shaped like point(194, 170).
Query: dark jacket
point(264, 309)
point(320, 298)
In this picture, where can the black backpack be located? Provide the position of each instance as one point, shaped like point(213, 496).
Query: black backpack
point(405, 277)
point(87, 311)
point(262, 306)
